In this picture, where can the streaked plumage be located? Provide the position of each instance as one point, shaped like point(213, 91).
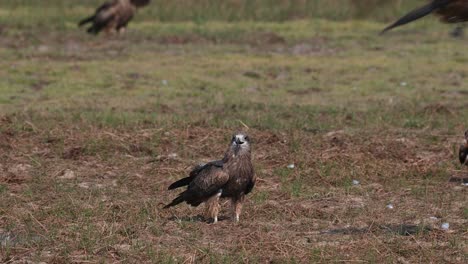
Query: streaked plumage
point(463, 151)
point(113, 15)
point(232, 177)
point(449, 11)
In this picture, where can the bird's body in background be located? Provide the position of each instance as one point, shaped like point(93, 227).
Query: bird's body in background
point(463, 151)
point(449, 11)
point(232, 177)
point(113, 16)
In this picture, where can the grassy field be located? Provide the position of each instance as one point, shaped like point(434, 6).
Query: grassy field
point(57, 13)
point(94, 129)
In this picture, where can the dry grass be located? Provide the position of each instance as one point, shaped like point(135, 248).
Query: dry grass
point(89, 129)
point(79, 193)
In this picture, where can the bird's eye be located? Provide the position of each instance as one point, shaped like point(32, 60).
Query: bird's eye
point(247, 138)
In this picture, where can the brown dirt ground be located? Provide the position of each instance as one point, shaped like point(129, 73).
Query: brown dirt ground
point(112, 183)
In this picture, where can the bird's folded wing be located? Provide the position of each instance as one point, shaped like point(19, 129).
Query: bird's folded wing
point(208, 181)
point(199, 168)
point(107, 5)
point(194, 173)
point(251, 184)
point(462, 154)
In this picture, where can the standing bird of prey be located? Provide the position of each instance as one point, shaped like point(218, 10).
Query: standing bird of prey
point(449, 11)
point(232, 177)
point(113, 15)
point(463, 151)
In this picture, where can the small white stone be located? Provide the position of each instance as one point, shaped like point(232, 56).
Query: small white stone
point(464, 183)
point(84, 185)
point(356, 182)
point(291, 166)
point(68, 174)
point(445, 226)
point(43, 48)
point(172, 155)
point(390, 206)
point(433, 218)
point(403, 84)
point(164, 82)
point(123, 247)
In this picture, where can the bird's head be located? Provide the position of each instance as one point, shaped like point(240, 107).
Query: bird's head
point(466, 138)
point(240, 143)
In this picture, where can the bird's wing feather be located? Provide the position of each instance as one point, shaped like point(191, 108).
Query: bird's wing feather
point(251, 184)
point(106, 5)
point(105, 14)
point(98, 10)
point(462, 154)
point(125, 15)
point(417, 13)
point(209, 181)
point(195, 171)
point(454, 12)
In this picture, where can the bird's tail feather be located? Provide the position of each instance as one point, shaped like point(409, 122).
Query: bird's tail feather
point(180, 183)
point(416, 14)
point(86, 21)
point(176, 201)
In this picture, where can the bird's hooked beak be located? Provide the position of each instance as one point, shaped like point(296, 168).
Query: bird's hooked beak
point(238, 141)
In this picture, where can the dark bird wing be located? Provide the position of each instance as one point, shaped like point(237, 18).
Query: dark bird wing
point(125, 14)
point(195, 171)
point(209, 180)
point(101, 8)
point(140, 3)
point(251, 184)
point(418, 13)
point(462, 154)
point(455, 12)
point(104, 15)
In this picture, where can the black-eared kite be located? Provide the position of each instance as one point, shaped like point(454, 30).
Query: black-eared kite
point(232, 177)
point(113, 16)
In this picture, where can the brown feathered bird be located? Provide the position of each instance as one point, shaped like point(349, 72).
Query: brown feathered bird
point(449, 11)
point(113, 16)
point(232, 177)
point(463, 151)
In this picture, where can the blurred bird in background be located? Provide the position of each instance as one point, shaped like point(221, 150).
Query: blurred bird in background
point(113, 16)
